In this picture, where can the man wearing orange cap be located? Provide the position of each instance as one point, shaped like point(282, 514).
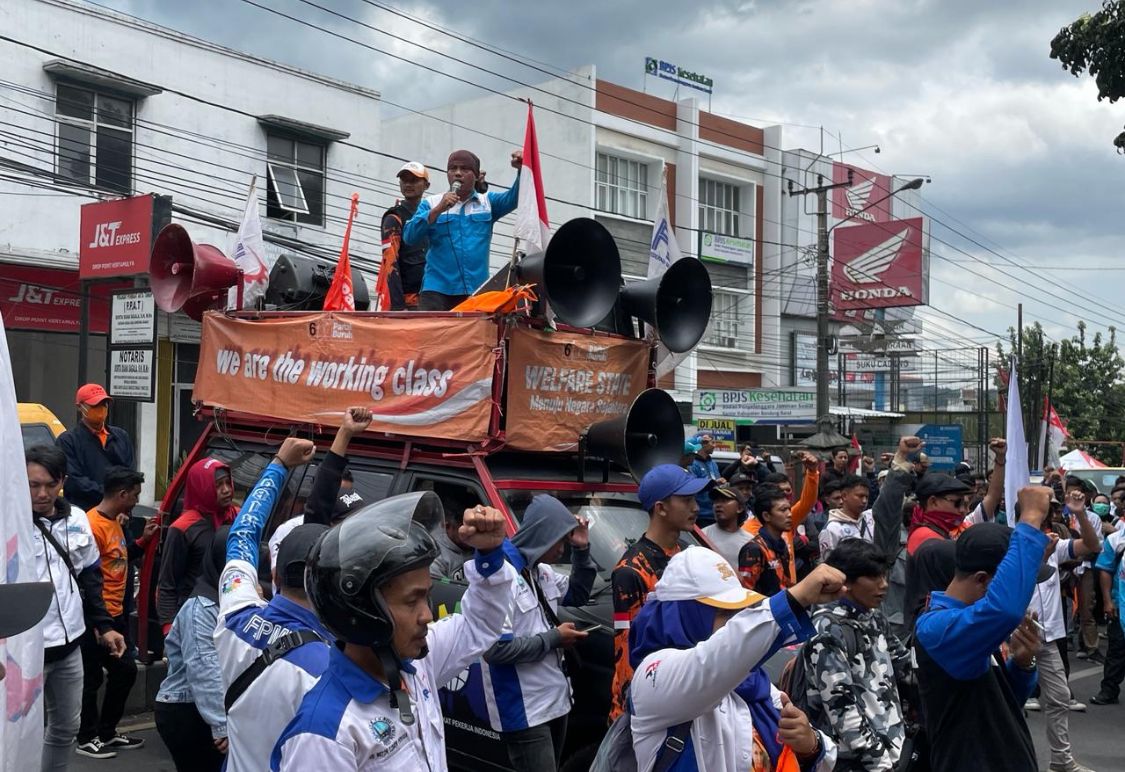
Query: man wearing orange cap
point(400, 276)
point(93, 446)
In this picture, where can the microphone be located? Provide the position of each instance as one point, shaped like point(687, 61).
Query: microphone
point(456, 187)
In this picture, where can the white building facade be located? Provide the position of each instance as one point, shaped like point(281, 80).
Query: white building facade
point(96, 105)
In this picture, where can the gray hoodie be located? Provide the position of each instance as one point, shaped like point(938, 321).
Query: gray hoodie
point(545, 522)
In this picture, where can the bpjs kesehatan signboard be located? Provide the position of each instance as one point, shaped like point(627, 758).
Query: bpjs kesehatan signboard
point(115, 237)
point(878, 265)
point(859, 200)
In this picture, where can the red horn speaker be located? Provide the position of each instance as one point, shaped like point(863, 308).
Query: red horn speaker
point(187, 276)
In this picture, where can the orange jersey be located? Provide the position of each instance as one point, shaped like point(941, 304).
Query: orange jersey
point(634, 578)
point(114, 559)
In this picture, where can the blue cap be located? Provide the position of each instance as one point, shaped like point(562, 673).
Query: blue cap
point(691, 447)
point(668, 480)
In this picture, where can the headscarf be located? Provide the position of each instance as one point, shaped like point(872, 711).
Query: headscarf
point(682, 624)
point(464, 158)
point(199, 491)
point(669, 624)
point(207, 585)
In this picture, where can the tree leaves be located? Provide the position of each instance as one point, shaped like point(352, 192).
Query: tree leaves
point(1096, 44)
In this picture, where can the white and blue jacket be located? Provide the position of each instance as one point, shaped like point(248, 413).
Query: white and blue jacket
point(457, 259)
point(672, 686)
point(347, 722)
point(247, 625)
point(525, 684)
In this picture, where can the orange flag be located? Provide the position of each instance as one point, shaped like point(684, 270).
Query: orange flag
point(339, 296)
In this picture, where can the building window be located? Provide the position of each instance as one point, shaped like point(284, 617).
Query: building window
point(720, 207)
point(622, 186)
point(95, 135)
point(724, 329)
point(295, 168)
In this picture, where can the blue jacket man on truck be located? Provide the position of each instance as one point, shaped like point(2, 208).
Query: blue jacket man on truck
point(458, 224)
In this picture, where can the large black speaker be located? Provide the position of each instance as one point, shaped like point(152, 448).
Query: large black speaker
point(299, 283)
point(651, 433)
point(677, 304)
point(579, 273)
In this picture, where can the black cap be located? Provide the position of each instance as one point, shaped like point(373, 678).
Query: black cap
point(22, 606)
point(292, 553)
point(346, 503)
point(934, 484)
point(742, 477)
point(726, 492)
point(982, 548)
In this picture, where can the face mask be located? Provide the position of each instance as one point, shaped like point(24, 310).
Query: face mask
point(95, 414)
point(1101, 509)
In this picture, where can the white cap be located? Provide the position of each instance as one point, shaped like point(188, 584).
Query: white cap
point(414, 168)
point(700, 574)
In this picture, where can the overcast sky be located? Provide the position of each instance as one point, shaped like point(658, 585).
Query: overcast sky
point(1019, 150)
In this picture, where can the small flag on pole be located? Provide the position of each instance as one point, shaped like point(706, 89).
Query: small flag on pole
point(249, 254)
point(663, 252)
point(532, 226)
point(339, 296)
point(1016, 473)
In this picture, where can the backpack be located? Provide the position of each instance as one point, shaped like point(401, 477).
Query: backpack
point(794, 679)
point(616, 754)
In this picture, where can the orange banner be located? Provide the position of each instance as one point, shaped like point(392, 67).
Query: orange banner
point(559, 383)
point(420, 376)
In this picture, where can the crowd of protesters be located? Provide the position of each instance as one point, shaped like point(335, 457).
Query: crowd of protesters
point(925, 607)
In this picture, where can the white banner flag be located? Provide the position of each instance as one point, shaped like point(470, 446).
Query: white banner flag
point(1016, 473)
point(663, 251)
point(249, 254)
point(21, 691)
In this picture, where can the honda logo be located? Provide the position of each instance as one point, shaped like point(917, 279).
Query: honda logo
point(867, 267)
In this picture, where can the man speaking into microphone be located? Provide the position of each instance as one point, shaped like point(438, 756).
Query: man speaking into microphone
point(459, 227)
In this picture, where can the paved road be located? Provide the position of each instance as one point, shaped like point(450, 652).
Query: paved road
point(1096, 735)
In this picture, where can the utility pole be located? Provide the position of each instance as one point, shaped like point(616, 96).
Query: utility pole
point(823, 344)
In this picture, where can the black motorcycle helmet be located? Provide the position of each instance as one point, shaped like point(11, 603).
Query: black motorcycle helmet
point(350, 562)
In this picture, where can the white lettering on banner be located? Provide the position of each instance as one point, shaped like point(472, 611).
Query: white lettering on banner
point(540, 378)
point(880, 292)
point(408, 379)
point(33, 294)
point(106, 235)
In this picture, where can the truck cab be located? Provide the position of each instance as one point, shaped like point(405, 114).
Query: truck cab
point(477, 409)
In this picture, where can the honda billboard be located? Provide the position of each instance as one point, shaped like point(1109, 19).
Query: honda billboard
point(858, 200)
point(878, 265)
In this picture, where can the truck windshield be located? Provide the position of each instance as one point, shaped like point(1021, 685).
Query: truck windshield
point(616, 519)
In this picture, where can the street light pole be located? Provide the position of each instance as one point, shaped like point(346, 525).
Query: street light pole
point(822, 343)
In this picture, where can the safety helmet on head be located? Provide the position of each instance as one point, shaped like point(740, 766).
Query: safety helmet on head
point(350, 562)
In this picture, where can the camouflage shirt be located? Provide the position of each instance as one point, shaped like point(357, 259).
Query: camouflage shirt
point(854, 663)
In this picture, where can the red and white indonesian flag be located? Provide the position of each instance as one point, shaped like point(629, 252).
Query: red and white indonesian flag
point(249, 254)
point(1016, 472)
point(532, 226)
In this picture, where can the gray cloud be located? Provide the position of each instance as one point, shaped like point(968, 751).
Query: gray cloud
point(958, 89)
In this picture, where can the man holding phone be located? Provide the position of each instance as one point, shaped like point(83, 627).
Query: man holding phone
point(526, 687)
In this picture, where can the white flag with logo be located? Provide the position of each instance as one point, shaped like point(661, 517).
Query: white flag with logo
point(1016, 473)
point(21, 691)
point(249, 254)
point(663, 251)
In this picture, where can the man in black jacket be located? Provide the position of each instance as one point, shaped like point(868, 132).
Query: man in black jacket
point(91, 447)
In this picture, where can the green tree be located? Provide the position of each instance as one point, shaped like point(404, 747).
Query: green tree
point(1096, 44)
point(1086, 389)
